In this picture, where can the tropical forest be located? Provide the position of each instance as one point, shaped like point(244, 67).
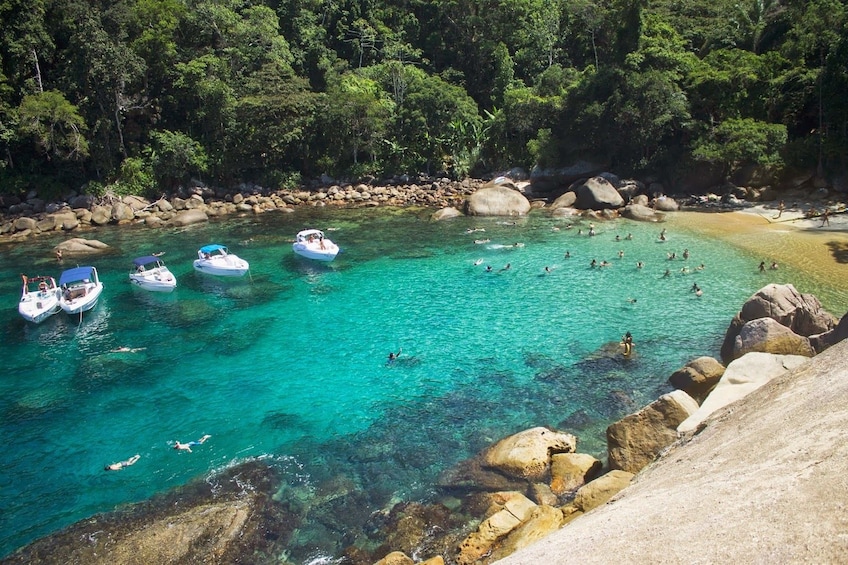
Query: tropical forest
point(141, 96)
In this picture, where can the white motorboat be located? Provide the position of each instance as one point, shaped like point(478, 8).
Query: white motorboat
point(81, 287)
point(150, 273)
point(313, 245)
point(216, 259)
point(39, 298)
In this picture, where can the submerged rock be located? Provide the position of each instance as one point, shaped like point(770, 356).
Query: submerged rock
point(213, 520)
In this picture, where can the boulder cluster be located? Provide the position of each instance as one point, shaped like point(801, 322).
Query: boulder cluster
point(32, 216)
point(605, 196)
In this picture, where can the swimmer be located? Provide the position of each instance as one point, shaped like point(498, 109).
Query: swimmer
point(517, 244)
point(762, 266)
point(125, 349)
point(617, 237)
point(507, 267)
point(621, 254)
point(580, 231)
point(568, 254)
point(671, 256)
point(393, 356)
point(639, 264)
point(773, 266)
point(121, 464)
point(548, 269)
point(667, 273)
point(699, 292)
point(685, 253)
point(478, 261)
point(605, 263)
point(700, 267)
point(554, 228)
point(488, 268)
point(188, 446)
point(695, 287)
point(629, 236)
point(684, 271)
point(631, 300)
point(593, 264)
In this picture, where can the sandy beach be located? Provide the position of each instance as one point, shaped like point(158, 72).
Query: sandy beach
point(791, 240)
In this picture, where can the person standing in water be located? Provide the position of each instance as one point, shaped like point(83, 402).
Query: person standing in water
point(627, 342)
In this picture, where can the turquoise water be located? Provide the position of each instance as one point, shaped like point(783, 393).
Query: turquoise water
point(289, 363)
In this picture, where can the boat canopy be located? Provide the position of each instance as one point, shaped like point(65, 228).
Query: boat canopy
point(139, 261)
point(212, 248)
point(306, 233)
point(77, 274)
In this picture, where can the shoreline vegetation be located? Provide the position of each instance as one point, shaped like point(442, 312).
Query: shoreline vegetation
point(523, 487)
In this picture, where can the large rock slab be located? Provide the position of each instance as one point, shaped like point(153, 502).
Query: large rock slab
point(769, 336)
point(189, 217)
point(497, 526)
point(597, 193)
point(220, 521)
point(599, 491)
point(527, 454)
point(634, 441)
point(570, 471)
point(78, 246)
point(642, 213)
point(763, 483)
point(543, 521)
point(445, 214)
point(698, 377)
point(802, 313)
point(742, 377)
point(497, 201)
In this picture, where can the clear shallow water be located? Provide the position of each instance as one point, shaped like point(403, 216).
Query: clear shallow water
point(289, 364)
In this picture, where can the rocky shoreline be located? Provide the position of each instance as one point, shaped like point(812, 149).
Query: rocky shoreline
point(519, 490)
point(604, 196)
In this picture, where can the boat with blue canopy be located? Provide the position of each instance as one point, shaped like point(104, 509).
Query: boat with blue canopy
point(216, 259)
point(150, 273)
point(81, 288)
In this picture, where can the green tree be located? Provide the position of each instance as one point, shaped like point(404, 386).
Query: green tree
point(737, 142)
point(54, 125)
point(422, 122)
point(359, 114)
point(175, 157)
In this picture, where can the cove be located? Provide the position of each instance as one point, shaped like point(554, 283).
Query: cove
point(288, 364)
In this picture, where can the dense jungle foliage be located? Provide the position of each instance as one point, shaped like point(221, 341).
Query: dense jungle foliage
point(141, 95)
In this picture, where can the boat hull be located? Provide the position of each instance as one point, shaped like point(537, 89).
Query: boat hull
point(220, 268)
point(314, 251)
point(160, 280)
point(74, 303)
point(36, 307)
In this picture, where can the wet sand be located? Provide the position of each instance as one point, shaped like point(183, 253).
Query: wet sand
point(820, 252)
